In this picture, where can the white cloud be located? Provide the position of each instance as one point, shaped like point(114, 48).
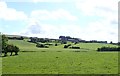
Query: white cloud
point(10, 13)
point(94, 31)
point(51, 31)
point(101, 31)
point(107, 10)
point(89, 6)
point(55, 15)
point(35, 1)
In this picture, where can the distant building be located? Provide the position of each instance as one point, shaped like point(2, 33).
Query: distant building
point(63, 38)
point(68, 38)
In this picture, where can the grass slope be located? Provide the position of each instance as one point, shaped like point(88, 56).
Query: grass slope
point(57, 60)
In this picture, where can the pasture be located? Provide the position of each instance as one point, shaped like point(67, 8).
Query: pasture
point(58, 60)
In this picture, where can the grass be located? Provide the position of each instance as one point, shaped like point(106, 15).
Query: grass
point(57, 60)
point(0, 66)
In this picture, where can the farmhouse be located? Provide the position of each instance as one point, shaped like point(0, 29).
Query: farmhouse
point(68, 38)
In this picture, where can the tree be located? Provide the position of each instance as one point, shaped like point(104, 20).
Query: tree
point(4, 42)
point(21, 38)
point(11, 48)
point(56, 44)
point(111, 42)
point(8, 47)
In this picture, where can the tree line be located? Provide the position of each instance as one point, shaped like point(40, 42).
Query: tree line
point(108, 49)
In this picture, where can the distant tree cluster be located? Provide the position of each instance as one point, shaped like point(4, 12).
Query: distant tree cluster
point(16, 38)
point(35, 40)
point(41, 45)
point(94, 41)
point(109, 49)
point(115, 43)
point(8, 47)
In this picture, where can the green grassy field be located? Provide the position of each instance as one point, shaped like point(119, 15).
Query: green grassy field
point(57, 60)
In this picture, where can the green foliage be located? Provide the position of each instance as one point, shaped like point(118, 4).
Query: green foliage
point(11, 48)
point(109, 49)
point(41, 45)
point(56, 44)
point(8, 47)
point(66, 46)
point(75, 47)
point(111, 42)
point(4, 41)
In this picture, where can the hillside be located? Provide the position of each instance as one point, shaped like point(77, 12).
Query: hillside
point(27, 46)
point(16, 36)
point(58, 60)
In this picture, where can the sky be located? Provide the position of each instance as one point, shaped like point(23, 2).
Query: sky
point(85, 19)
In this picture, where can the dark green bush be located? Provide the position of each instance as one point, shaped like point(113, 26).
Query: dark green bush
point(41, 45)
point(56, 44)
point(109, 49)
point(66, 46)
point(11, 48)
point(69, 44)
point(74, 47)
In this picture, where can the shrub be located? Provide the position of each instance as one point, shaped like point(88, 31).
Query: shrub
point(16, 50)
point(56, 44)
point(109, 49)
point(69, 44)
point(66, 46)
point(41, 45)
point(74, 47)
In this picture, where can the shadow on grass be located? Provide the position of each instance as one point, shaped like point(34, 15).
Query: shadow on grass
point(43, 51)
point(32, 51)
point(59, 51)
point(9, 56)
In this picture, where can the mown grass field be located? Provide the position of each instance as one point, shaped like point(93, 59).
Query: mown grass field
point(57, 60)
